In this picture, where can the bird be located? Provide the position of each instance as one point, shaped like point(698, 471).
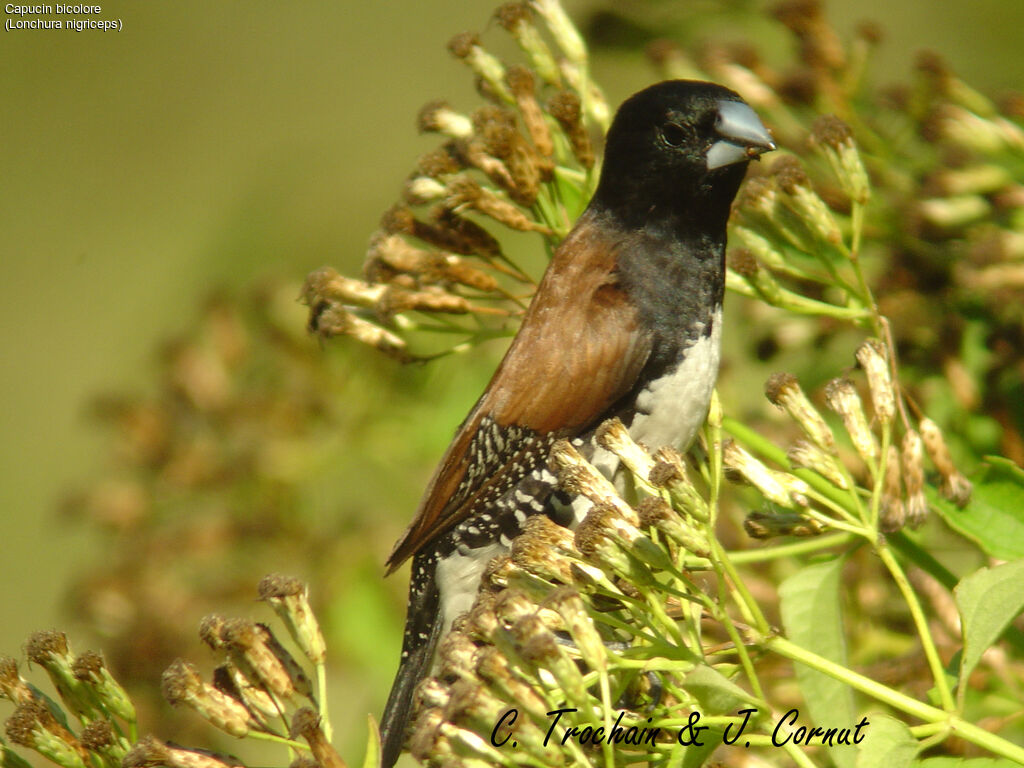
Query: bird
point(626, 322)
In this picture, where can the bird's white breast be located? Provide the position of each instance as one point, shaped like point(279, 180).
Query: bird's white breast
point(671, 409)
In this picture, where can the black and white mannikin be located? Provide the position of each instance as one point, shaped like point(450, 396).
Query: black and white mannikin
point(625, 322)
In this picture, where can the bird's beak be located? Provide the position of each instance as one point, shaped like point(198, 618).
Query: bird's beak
point(743, 135)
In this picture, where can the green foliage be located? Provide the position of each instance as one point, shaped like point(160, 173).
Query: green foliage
point(994, 518)
point(810, 604)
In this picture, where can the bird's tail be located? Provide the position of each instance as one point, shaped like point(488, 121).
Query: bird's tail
point(422, 628)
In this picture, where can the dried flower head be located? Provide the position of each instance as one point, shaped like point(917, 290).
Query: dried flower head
point(841, 396)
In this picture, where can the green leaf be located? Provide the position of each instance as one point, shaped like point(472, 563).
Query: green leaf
point(812, 618)
point(887, 742)
point(694, 756)
point(372, 759)
point(994, 518)
point(716, 693)
point(988, 600)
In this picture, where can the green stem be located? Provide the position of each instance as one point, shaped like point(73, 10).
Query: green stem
point(921, 623)
point(794, 549)
point(897, 700)
point(321, 689)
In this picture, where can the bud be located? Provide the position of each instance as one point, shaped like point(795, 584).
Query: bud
point(763, 250)
point(604, 538)
point(289, 597)
point(306, 723)
point(254, 648)
point(439, 117)
point(872, 358)
point(538, 646)
point(431, 693)
point(229, 679)
point(517, 19)
point(150, 751)
point(768, 525)
point(743, 264)
point(50, 650)
point(99, 738)
point(654, 512)
point(613, 436)
point(801, 198)
point(738, 459)
point(892, 512)
point(565, 107)
point(500, 136)
point(804, 454)
point(954, 213)
point(954, 486)
point(669, 473)
point(12, 685)
point(488, 68)
point(783, 390)
point(986, 136)
point(520, 82)
point(181, 684)
point(841, 396)
point(541, 549)
point(493, 667)
point(593, 101)
point(91, 669)
point(424, 739)
point(456, 656)
point(913, 478)
point(578, 476)
point(33, 725)
point(562, 30)
point(834, 139)
point(570, 606)
point(420, 190)
point(464, 192)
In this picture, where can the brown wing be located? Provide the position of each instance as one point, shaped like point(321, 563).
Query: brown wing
point(578, 350)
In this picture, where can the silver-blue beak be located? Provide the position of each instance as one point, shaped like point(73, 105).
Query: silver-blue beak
point(743, 135)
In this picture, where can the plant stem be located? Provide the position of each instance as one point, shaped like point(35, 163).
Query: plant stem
point(921, 623)
point(897, 700)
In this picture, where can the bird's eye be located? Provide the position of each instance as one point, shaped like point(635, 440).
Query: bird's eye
point(673, 134)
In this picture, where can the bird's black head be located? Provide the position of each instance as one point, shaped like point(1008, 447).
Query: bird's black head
point(679, 149)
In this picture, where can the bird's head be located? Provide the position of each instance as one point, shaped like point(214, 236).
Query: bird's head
point(679, 145)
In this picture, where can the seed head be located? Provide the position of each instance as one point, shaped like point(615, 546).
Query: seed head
point(655, 512)
point(486, 66)
point(872, 358)
point(768, 525)
point(804, 454)
point(289, 597)
point(834, 139)
point(12, 686)
point(439, 117)
point(912, 456)
point(954, 486)
point(306, 724)
point(181, 685)
point(541, 549)
point(738, 460)
point(517, 19)
point(841, 396)
point(565, 107)
point(893, 512)
point(562, 30)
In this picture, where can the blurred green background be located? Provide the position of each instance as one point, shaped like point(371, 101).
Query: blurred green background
point(221, 143)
